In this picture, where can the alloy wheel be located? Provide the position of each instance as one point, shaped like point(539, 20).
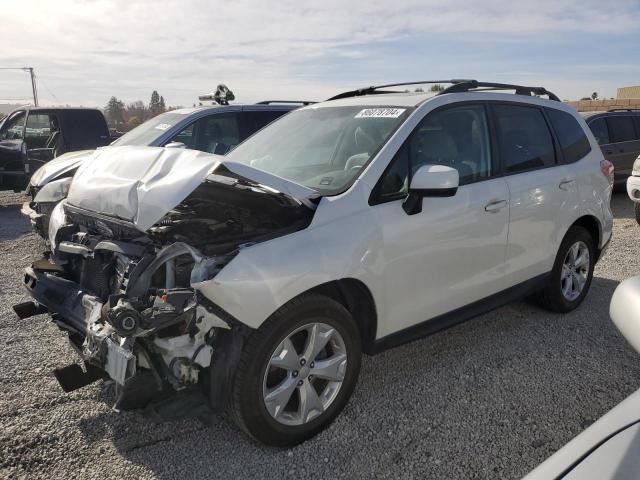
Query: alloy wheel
point(304, 374)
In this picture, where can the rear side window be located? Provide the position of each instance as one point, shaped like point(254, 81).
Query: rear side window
point(600, 130)
point(621, 128)
point(251, 122)
point(525, 142)
point(573, 141)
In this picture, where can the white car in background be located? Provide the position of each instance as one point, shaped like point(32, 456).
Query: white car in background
point(344, 227)
point(633, 187)
point(610, 448)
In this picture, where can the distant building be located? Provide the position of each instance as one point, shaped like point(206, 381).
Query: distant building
point(628, 92)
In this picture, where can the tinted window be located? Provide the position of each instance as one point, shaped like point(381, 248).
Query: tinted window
point(84, 128)
point(600, 130)
point(456, 137)
point(218, 133)
point(573, 141)
point(524, 138)
point(621, 128)
point(254, 121)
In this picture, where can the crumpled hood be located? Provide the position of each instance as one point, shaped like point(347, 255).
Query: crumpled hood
point(142, 184)
point(59, 166)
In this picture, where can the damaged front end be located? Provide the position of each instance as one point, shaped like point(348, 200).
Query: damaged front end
point(128, 299)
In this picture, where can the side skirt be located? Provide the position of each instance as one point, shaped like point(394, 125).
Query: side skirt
point(460, 315)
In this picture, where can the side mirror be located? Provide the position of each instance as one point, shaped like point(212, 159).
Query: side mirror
point(175, 145)
point(430, 181)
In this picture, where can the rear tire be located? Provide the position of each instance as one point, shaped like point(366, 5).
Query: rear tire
point(268, 365)
point(571, 277)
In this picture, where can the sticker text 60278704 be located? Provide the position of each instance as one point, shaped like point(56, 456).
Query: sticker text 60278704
point(380, 113)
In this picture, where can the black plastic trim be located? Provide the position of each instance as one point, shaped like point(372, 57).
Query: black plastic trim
point(462, 314)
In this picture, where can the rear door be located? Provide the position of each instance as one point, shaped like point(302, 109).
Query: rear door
point(252, 121)
point(624, 144)
point(543, 193)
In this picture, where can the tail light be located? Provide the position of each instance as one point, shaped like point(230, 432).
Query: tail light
point(606, 167)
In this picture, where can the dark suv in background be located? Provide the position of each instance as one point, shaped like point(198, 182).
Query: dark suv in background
point(618, 133)
point(31, 136)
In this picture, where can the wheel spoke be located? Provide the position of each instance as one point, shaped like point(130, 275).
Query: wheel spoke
point(318, 337)
point(567, 287)
point(278, 397)
point(574, 252)
point(309, 402)
point(583, 259)
point(579, 282)
point(332, 368)
point(287, 358)
point(566, 271)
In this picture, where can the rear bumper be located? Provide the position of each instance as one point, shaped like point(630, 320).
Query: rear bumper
point(79, 313)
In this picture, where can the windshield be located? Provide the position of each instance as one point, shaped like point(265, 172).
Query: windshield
point(323, 148)
point(150, 130)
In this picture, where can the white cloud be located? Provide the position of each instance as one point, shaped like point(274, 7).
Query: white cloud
point(86, 51)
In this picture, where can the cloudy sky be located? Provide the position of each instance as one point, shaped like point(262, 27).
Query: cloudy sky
point(86, 51)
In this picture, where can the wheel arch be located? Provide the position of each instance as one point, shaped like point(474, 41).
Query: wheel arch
point(356, 297)
point(592, 225)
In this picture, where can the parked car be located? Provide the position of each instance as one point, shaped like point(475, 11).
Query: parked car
point(618, 133)
point(349, 226)
point(32, 136)
point(610, 448)
point(213, 129)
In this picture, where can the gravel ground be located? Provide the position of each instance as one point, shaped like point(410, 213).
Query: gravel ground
point(491, 398)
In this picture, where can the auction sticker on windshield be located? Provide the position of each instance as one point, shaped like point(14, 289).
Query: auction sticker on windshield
point(162, 126)
point(380, 113)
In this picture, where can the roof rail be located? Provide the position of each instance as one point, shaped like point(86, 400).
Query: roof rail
point(631, 109)
point(467, 85)
point(269, 102)
point(457, 86)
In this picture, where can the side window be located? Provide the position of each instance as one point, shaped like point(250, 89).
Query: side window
point(186, 136)
point(38, 130)
point(600, 130)
point(251, 122)
point(573, 141)
point(525, 141)
point(621, 128)
point(13, 128)
point(457, 137)
point(218, 133)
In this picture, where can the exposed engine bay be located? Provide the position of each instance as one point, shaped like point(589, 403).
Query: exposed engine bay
point(129, 299)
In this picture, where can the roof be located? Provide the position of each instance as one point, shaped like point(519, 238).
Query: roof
point(238, 106)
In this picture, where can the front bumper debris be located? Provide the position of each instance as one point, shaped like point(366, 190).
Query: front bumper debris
point(79, 313)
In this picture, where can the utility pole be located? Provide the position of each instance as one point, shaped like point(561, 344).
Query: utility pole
point(33, 81)
point(33, 86)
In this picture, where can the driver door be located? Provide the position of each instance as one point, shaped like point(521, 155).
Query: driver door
point(11, 150)
point(453, 252)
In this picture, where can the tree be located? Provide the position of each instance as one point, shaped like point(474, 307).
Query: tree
point(114, 112)
point(436, 88)
point(419, 90)
point(136, 113)
point(154, 103)
point(594, 96)
point(163, 107)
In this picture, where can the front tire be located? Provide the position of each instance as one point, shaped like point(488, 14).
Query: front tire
point(296, 372)
point(572, 272)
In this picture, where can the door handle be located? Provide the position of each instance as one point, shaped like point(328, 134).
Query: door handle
point(564, 184)
point(495, 206)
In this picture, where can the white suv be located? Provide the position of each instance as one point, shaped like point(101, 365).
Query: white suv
point(348, 226)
